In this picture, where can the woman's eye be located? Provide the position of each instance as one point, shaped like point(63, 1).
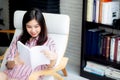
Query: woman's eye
point(36, 26)
point(28, 26)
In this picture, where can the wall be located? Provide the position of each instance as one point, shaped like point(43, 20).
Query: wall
point(1, 1)
point(6, 13)
point(73, 8)
point(4, 5)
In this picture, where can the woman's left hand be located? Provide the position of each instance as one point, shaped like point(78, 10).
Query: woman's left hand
point(18, 60)
point(49, 54)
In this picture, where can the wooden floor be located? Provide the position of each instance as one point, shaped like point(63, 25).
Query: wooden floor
point(73, 73)
point(73, 68)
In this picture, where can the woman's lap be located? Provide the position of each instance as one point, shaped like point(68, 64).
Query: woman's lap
point(20, 72)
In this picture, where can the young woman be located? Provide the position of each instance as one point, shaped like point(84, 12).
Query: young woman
point(34, 33)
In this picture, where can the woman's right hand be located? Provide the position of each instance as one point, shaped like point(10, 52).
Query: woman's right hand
point(10, 64)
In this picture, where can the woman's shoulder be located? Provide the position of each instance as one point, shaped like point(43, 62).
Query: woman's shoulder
point(16, 37)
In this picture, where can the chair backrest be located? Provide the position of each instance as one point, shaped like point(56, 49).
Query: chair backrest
point(58, 29)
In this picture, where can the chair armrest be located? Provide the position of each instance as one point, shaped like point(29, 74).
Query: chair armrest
point(52, 72)
point(7, 31)
point(1, 57)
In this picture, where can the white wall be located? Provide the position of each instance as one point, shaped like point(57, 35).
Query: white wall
point(5, 13)
point(73, 8)
point(1, 3)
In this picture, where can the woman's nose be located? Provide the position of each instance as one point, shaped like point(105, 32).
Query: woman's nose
point(33, 29)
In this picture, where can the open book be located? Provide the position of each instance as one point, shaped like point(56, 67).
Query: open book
point(32, 56)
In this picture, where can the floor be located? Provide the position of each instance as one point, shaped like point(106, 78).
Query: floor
point(73, 72)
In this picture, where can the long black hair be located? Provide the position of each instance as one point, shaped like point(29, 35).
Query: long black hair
point(36, 14)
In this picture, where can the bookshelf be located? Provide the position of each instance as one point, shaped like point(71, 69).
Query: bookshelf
point(86, 25)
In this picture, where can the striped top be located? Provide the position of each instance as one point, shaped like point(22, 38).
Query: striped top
point(22, 72)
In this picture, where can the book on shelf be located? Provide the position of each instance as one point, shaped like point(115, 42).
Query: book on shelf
point(116, 48)
point(95, 68)
point(96, 65)
point(32, 56)
point(92, 39)
point(102, 42)
point(118, 51)
point(112, 45)
point(94, 10)
point(97, 10)
point(88, 40)
point(112, 73)
point(105, 12)
point(90, 10)
point(109, 46)
point(110, 11)
point(106, 47)
point(94, 43)
point(100, 9)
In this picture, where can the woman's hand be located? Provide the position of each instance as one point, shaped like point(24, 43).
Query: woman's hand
point(10, 64)
point(49, 55)
point(18, 61)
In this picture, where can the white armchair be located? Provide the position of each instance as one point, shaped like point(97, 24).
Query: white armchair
point(58, 29)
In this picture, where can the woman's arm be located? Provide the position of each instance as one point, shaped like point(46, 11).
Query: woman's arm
point(11, 54)
point(12, 50)
point(52, 56)
point(51, 53)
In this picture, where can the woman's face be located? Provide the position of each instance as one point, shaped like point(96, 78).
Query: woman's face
point(33, 28)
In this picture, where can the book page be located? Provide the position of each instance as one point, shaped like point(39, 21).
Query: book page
point(32, 56)
point(24, 53)
point(37, 57)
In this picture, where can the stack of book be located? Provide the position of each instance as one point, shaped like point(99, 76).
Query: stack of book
point(112, 73)
point(103, 44)
point(95, 68)
point(102, 70)
point(92, 40)
point(103, 11)
point(110, 11)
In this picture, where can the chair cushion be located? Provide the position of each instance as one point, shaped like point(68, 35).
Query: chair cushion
point(61, 26)
point(60, 47)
